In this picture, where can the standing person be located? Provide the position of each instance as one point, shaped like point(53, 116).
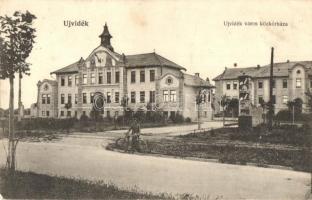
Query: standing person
point(134, 131)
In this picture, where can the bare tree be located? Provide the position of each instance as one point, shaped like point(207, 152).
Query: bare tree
point(16, 42)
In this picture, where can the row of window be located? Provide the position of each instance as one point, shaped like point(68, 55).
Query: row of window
point(45, 113)
point(108, 97)
point(142, 76)
point(69, 113)
point(284, 99)
point(100, 79)
point(142, 97)
point(260, 84)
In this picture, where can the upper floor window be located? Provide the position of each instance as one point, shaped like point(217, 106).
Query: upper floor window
point(132, 76)
point(69, 81)
point(142, 96)
point(142, 76)
point(62, 81)
point(285, 83)
point(310, 83)
point(260, 84)
point(48, 98)
point(76, 80)
point(132, 97)
point(298, 82)
point(100, 78)
point(165, 95)
point(43, 99)
point(92, 78)
point(109, 77)
point(152, 75)
point(84, 79)
point(273, 84)
point(117, 77)
point(173, 95)
point(228, 86)
point(235, 85)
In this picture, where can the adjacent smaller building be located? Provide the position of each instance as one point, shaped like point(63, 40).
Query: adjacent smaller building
point(291, 81)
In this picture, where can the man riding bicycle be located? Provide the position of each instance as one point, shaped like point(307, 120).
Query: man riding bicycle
point(133, 135)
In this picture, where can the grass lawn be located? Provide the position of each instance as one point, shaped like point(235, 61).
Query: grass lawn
point(228, 145)
point(27, 185)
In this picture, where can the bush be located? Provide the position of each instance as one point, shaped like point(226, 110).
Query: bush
point(188, 120)
point(45, 123)
point(177, 118)
point(283, 115)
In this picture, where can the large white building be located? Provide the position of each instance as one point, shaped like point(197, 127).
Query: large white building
point(147, 81)
point(291, 80)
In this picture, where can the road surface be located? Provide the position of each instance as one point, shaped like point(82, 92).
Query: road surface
point(84, 157)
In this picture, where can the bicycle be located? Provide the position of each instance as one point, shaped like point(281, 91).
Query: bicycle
point(123, 143)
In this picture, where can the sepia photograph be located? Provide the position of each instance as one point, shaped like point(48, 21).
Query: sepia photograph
point(156, 99)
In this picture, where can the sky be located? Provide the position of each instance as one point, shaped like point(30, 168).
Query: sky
point(190, 33)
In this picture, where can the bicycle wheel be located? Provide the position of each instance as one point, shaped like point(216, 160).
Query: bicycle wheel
point(121, 143)
point(144, 147)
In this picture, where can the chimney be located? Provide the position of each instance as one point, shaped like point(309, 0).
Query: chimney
point(235, 64)
point(258, 66)
point(287, 61)
point(197, 74)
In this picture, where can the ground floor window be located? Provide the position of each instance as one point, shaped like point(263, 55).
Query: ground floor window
point(68, 113)
point(62, 113)
point(108, 114)
point(48, 113)
point(142, 96)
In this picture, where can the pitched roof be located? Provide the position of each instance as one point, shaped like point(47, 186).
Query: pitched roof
point(279, 70)
point(68, 69)
point(195, 81)
point(150, 59)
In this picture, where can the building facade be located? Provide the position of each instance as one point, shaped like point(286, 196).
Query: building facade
point(135, 82)
point(291, 80)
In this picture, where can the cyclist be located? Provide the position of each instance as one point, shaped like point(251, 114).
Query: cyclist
point(133, 135)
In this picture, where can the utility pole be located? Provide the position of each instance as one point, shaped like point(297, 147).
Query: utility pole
point(271, 92)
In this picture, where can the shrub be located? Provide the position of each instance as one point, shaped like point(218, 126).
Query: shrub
point(188, 120)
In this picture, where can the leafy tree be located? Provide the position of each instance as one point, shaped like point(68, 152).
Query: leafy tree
point(225, 101)
point(16, 43)
point(295, 106)
point(233, 106)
